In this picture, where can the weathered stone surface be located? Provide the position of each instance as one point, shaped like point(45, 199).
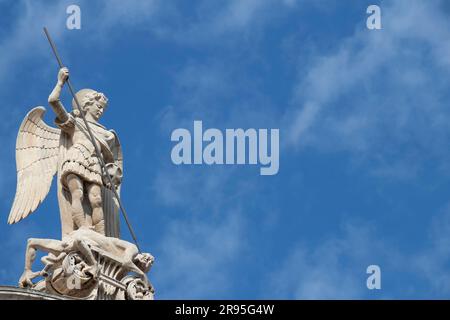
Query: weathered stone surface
point(14, 293)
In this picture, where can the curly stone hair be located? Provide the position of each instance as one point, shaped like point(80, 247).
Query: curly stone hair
point(92, 97)
point(87, 97)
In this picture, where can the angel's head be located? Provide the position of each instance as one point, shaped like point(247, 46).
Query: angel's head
point(92, 103)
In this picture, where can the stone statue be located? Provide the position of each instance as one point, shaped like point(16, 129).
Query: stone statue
point(42, 151)
point(85, 257)
point(90, 251)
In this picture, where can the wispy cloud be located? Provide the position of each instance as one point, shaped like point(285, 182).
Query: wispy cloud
point(380, 94)
point(206, 237)
point(334, 269)
point(197, 257)
point(432, 262)
point(214, 22)
point(25, 34)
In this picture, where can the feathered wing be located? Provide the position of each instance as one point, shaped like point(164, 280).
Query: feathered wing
point(110, 204)
point(37, 149)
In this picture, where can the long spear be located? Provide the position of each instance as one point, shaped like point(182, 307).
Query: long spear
point(91, 136)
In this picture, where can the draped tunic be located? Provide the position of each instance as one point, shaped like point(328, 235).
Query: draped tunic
point(81, 158)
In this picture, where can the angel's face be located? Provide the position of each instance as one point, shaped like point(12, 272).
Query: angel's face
point(96, 109)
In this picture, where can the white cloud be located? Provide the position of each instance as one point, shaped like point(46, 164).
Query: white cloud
point(239, 14)
point(195, 191)
point(26, 38)
point(128, 13)
point(198, 252)
point(335, 269)
point(382, 95)
point(432, 262)
point(196, 257)
point(217, 22)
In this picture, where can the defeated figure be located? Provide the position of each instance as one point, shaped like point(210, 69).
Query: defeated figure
point(84, 241)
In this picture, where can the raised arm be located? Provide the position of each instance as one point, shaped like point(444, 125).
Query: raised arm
point(53, 98)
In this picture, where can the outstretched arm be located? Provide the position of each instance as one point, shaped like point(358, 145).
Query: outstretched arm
point(53, 99)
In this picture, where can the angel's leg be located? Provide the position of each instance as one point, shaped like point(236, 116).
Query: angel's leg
point(75, 185)
point(95, 198)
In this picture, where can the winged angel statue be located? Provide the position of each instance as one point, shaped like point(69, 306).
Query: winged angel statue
point(90, 254)
point(85, 199)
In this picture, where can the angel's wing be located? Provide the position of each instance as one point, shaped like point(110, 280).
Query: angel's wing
point(110, 205)
point(37, 149)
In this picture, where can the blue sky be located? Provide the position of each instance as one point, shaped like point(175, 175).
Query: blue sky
point(364, 123)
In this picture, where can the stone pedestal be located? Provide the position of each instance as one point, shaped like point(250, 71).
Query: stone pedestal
point(14, 293)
